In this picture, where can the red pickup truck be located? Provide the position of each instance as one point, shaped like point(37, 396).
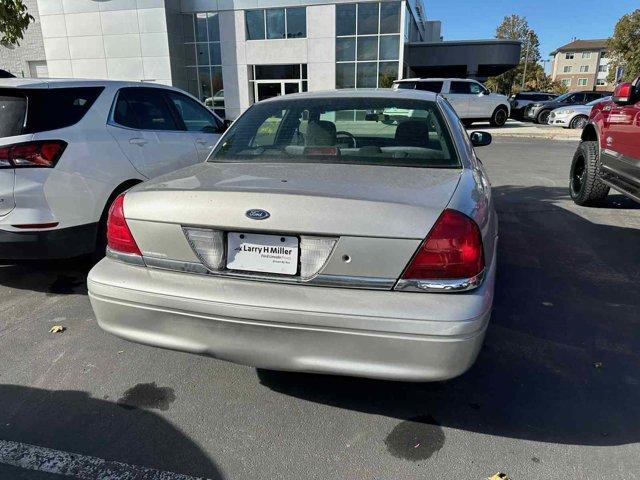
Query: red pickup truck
point(609, 152)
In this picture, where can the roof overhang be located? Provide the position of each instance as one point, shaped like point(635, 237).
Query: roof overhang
point(470, 58)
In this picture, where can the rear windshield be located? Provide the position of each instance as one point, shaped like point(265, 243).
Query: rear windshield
point(12, 113)
point(367, 131)
point(44, 109)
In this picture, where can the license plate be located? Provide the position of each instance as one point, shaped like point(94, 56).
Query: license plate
point(252, 252)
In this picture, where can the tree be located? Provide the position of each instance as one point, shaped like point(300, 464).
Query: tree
point(515, 27)
point(14, 20)
point(624, 47)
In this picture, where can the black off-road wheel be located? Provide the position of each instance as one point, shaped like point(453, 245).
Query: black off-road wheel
point(499, 117)
point(585, 185)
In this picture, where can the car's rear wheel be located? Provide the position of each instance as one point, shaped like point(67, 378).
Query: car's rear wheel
point(585, 185)
point(499, 117)
point(543, 117)
point(579, 121)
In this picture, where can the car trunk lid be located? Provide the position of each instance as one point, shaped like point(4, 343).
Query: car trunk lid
point(303, 198)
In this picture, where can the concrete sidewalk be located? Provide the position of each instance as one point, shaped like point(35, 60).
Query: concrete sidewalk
point(514, 128)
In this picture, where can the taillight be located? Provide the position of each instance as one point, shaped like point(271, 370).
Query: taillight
point(42, 153)
point(452, 250)
point(119, 237)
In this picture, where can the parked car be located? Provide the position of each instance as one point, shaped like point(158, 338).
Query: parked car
point(471, 100)
point(69, 147)
point(336, 242)
point(576, 116)
point(609, 154)
point(520, 100)
point(538, 112)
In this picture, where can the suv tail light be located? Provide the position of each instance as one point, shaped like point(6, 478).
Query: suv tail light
point(119, 237)
point(452, 251)
point(42, 153)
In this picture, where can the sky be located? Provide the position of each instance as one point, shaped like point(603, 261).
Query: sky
point(555, 21)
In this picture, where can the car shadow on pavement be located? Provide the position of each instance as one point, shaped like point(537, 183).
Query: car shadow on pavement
point(561, 360)
point(75, 422)
point(56, 277)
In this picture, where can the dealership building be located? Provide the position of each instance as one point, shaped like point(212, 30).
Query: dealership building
point(237, 52)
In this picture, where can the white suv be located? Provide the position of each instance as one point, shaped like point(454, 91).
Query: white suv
point(471, 100)
point(69, 147)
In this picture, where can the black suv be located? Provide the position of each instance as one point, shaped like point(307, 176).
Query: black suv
point(519, 101)
point(539, 111)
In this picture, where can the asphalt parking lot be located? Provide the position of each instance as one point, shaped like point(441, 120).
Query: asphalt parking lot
point(555, 392)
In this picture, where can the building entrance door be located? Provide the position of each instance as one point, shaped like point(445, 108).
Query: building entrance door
point(268, 88)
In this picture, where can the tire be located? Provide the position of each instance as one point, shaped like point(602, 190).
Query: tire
point(585, 186)
point(579, 121)
point(499, 117)
point(467, 123)
point(543, 117)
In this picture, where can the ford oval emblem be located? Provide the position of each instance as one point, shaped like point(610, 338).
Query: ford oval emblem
point(257, 214)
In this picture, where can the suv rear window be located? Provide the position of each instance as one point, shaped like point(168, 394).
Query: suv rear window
point(45, 109)
point(363, 131)
point(13, 109)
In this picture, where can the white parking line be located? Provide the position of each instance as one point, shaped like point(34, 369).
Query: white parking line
point(83, 467)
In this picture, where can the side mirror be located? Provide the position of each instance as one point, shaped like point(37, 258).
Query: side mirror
point(623, 94)
point(480, 139)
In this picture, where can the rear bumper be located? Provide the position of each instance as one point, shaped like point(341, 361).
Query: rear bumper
point(58, 243)
point(377, 334)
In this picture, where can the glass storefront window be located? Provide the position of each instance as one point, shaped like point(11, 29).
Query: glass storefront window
point(390, 17)
point(202, 56)
point(387, 73)
point(255, 24)
point(213, 27)
point(346, 49)
point(201, 27)
point(215, 54)
point(345, 75)
point(367, 48)
point(389, 47)
point(368, 33)
point(368, 18)
point(275, 23)
point(346, 19)
point(366, 75)
point(296, 22)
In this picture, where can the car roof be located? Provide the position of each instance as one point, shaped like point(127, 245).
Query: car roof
point(359, 93)
point(73, 83)
point(435, 79)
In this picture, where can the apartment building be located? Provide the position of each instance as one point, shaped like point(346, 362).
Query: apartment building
point(582, 65)
point(232, 53)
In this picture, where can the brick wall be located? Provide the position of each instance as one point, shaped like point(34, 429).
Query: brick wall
point(16, 59)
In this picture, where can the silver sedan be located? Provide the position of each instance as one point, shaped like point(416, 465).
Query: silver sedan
point(342, 232)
